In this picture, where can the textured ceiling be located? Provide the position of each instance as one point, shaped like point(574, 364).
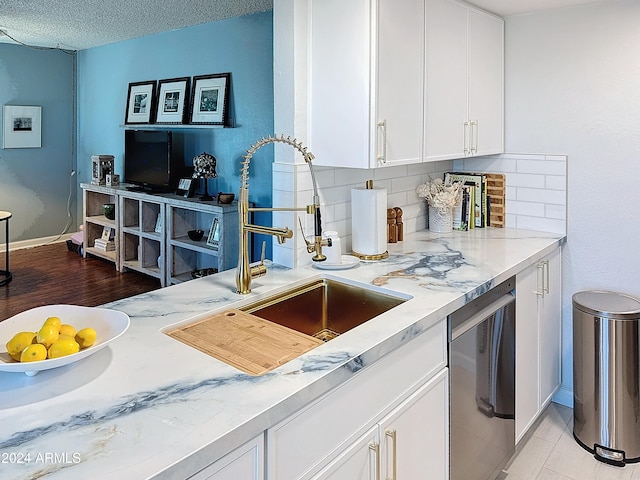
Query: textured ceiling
point(80, 24)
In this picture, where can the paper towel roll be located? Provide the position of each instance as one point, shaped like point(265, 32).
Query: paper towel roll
point(369, 222)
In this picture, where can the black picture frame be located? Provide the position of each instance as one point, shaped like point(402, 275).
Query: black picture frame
point(141, 101)
point(172, 106)
point(210, 99)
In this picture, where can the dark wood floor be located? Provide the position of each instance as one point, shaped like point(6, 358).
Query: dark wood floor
point(51, 274)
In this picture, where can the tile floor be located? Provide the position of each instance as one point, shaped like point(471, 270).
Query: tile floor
point(549, 452)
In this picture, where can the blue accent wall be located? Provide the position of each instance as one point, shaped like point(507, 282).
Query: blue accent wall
point(35, 183)
point(242, 46)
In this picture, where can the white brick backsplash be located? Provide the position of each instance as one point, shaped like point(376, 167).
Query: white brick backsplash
point(556, 211)
point(543, 167)
point(556, 182)
point(535, 194)
point(527, 208)
point(556, 197)
point(536, 188)
point(526, 180)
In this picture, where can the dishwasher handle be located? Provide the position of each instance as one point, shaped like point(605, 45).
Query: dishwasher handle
point(458, 328)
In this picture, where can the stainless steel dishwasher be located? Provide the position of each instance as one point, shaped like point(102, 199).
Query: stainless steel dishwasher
point(482, 384)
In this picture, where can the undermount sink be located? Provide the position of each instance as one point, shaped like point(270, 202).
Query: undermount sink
point(324, 308)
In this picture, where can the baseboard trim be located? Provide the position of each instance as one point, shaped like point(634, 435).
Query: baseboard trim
point(564, 396)
point(35, 242)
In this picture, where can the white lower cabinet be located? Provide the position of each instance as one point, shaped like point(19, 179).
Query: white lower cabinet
point(538, 339)
point(349, 431)
point(244, 463)
point(407, 443)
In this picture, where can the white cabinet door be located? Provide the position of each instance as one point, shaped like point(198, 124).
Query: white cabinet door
point(415, 437)
point(485, 82)
point(360, 461)
point(549, 315)
point(464, 81)
point(365, 82)
point(538, 341)
point(527, 368)
point(446, 79)
point(244, 463)
point(399, 82)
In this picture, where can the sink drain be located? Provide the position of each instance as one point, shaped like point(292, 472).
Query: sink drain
point(325, 335)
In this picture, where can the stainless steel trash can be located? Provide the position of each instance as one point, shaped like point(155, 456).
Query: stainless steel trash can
point(606, 375)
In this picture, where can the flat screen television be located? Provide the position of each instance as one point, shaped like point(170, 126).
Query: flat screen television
point(152, 160)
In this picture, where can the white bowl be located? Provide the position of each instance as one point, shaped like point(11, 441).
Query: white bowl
point(108, 324)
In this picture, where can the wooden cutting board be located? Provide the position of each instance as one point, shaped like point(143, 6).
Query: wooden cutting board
point(496, 190)
point(247, 342)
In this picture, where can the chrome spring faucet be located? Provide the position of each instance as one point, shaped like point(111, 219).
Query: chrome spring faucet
point(244, 271)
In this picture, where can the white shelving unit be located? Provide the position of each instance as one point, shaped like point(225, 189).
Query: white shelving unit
point(151, 232)
point(95, 221)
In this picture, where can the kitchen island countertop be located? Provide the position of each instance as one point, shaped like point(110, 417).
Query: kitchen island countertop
point(148, 406)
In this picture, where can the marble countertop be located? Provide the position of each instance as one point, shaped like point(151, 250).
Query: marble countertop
point(148, 406)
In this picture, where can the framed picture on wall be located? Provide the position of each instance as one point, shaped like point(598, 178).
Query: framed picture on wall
point(140, 102)
point(173, 98)
point(21, 126)
point(210, 98)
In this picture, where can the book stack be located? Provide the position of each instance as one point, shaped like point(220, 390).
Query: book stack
point(475, 209)
point(104, 245)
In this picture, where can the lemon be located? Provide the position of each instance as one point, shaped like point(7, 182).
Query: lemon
point(62, 347)
point(18, 343)
point(86, 337)
point(53, 321)
point(47, 334)
point(66, 329)
point(34, 353)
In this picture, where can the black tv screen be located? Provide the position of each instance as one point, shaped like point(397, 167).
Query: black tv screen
point(152, 159)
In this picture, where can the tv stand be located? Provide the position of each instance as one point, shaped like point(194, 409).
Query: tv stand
point(151, 232)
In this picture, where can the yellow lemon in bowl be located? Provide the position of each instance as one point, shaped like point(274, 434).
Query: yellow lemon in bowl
point(86, 337)
point(47, 334)
point(62, 347)
point(34, 353)
point(18, 343)
point(66, 329)
point(53, 321)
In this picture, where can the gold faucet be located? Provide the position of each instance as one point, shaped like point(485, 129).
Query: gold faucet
point(244, 271)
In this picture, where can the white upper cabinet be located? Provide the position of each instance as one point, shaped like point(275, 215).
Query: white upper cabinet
point(366, 82)
point(464, 81)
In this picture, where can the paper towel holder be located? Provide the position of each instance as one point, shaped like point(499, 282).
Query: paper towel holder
point(370, 257)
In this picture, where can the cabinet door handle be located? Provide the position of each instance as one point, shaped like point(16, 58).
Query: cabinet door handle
point(382, 157)
point(394, 459)
point(375, 449)
point(467, 139)
point(474, 139)
point(540, 280)
point(545, 269)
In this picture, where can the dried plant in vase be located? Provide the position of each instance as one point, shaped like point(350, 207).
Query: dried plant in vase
point(441, 197)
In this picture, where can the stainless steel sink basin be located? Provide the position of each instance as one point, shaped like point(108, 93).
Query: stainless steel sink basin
point(324, 308)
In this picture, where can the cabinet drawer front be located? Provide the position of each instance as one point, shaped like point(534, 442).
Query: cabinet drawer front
point(310, 438)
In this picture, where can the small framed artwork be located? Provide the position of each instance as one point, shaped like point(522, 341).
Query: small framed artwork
point(186, 187)
point(173, 95)
point(210, 98)
point(213, 240)
point(108, 233)
point(140, 102)
point(21, 126)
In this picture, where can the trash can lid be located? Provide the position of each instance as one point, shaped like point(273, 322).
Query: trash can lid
point(607, 304)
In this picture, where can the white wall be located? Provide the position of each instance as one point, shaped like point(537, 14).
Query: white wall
point(573, 87)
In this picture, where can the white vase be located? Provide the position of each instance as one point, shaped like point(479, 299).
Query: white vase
point(440, 223)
